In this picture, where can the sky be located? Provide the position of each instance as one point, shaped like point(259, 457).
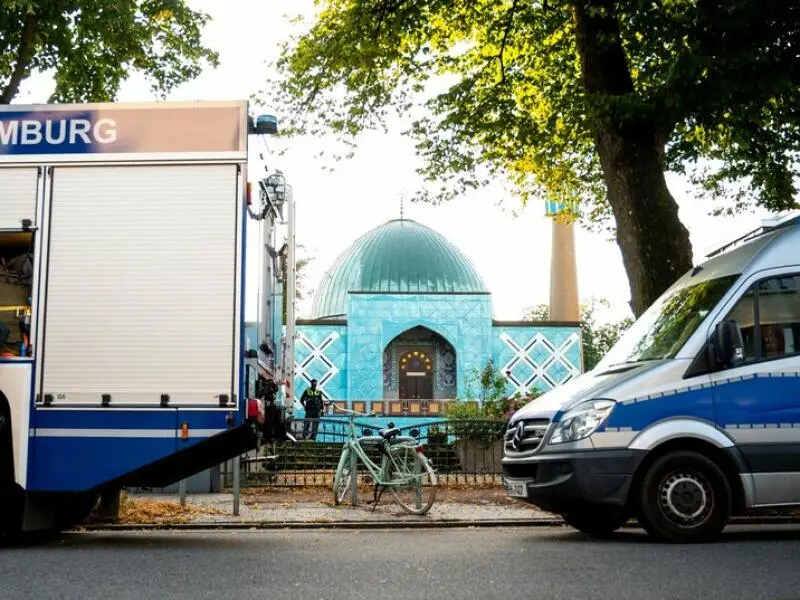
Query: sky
point(510, 251)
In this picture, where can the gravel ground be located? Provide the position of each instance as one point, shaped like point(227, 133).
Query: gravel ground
point(316, 505)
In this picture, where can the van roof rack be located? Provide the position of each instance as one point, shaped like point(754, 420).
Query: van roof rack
point(767, 226)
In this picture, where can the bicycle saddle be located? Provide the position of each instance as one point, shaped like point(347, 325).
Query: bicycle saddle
point(388, 434)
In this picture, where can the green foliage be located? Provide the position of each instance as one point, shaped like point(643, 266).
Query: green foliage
point(484, 422)
point(491, 383)
point(596, 339)
point(504, 91)
point(498, 409)
point(91, 46)
point(436, 435)
point(300, 290)
point(491, 401)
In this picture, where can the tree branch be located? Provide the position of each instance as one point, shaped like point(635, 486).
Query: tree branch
point(24, 55)
point(510, 21)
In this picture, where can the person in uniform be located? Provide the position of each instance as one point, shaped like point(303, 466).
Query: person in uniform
point(312, 403)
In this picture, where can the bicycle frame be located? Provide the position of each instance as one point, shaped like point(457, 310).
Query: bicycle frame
point(354, 441)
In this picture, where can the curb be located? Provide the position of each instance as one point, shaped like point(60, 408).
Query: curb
point(266, 525)
point(438, 524)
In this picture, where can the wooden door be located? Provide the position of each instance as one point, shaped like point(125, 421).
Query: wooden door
point(416, 376)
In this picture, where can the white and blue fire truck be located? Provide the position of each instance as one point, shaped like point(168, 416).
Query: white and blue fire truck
point(692, 417)
point(122, 251)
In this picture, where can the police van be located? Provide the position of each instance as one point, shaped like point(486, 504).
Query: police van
point(691, 418)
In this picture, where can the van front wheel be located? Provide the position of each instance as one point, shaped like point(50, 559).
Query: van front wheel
point(685, 497)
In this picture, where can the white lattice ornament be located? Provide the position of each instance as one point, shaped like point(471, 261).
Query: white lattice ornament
point(316, 353)
point(524, 354)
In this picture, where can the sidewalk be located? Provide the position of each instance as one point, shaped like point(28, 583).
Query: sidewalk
point(309, 508)
point(314, 508)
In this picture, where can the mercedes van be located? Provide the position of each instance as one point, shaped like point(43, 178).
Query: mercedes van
point(692, 417)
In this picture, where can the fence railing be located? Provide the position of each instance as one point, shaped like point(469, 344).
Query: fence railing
point(461, 451)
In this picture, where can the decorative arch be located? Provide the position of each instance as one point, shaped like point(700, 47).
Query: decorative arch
point(393, 330)
point(419, 363)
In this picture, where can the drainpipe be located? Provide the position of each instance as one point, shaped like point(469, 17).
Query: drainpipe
point(291, 286)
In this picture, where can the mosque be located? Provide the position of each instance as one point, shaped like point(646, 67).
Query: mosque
point(402, 322)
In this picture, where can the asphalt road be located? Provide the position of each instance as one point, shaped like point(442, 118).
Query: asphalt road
point(445, 564)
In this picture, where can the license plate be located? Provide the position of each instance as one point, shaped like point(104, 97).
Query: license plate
point(517, 489)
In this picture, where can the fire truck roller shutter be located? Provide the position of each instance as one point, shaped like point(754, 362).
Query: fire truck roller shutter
point(140, 296)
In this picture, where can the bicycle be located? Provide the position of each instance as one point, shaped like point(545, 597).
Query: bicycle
point(403, 466)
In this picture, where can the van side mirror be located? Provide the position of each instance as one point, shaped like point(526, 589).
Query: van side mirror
point(728, 344)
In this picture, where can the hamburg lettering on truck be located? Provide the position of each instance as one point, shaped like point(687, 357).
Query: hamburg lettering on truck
point(55, 132)
point(62, 132)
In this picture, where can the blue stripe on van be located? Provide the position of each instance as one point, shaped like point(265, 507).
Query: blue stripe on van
point(696, 403)
point(761, 399)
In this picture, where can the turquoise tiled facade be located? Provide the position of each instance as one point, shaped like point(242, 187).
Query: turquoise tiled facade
point(402, 286)
point(321, 354)
point(536, 357)
point(374, 320)
point(347, 360)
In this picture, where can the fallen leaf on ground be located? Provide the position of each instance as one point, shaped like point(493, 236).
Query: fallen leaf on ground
point(138, 511)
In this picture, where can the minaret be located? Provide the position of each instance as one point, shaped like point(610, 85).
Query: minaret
point(564, 303)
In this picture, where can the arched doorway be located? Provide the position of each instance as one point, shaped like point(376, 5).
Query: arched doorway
point(416, 376)
point(437, 383)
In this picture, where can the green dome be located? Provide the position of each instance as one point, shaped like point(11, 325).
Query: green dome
point(399, 257)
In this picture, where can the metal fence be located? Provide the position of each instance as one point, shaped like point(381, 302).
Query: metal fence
point(464, 452)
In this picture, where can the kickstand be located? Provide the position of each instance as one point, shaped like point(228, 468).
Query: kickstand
point(376, 496)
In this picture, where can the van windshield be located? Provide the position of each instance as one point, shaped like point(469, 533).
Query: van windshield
point(663, 329)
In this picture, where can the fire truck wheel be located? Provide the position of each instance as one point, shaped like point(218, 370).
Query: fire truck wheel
point(74, 509)
point(12, 501)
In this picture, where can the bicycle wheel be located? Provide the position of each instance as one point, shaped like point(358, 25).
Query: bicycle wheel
point(342, 479)
point(411, 479)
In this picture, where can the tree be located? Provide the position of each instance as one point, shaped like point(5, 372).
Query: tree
point(585, 102)
point(300, 289)
point(301, 284)
point(596, 339)
point(92, 45)
point(491, 382)
point(493, 404)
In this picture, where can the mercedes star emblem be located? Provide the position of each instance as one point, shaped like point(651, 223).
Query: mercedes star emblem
point(519, 433)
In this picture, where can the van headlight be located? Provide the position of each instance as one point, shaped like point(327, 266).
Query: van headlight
point(582, 421)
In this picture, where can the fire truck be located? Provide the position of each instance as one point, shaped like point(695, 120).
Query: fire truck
point(122, 279)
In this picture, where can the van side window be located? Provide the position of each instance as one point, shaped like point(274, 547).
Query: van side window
point(768, 315)
point(779, 316)
point(744, 313)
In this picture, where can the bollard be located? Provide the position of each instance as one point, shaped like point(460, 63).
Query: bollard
point(236, 485)
point(182, 491)
point(418, 487)
point(109, 505)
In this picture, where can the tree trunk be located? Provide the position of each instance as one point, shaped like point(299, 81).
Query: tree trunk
point(654, 243)
point(24, 55)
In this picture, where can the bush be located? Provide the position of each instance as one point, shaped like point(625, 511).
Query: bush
point(484, 422)
point(500, 409)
